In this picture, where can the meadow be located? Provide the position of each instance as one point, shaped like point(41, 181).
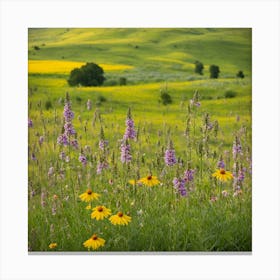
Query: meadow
point(138, 175)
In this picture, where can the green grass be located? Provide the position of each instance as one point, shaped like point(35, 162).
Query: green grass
point(168, 222)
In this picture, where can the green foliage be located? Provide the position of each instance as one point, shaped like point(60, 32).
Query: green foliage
point(88, 75)
point(230, 94)
point(78, 99)
point(36, 48)
point(165, 98)
point(101, 99)
point(214, 71)
point(240, 74)
point(48, 105)
point(198, 67)
point(122, 81)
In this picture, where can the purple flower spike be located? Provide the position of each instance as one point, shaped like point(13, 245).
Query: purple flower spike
point(169, 157)
point(221, 164)
point(189, 175)
point(83, 160)
point(125, 152)
point(130, 131)
point(179, 184)
point(101, 166)
point(62, 140)
point(103, 144)
point(30, 123)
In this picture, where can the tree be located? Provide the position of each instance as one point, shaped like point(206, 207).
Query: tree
point(214, 71)
point(198, 67)
point(88, 75)
point(240, 74)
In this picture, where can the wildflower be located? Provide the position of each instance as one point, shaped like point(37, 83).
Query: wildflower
point(94, 242)
point(89, 104)
point(133, 182)
point(237, 192)
point(62, 140)
point(33, 157)
point(74, 143)
point(88, 207)
point(179, 184)
point(88, 196)
point(51, 171)
point(30, 123)
point(213, 198)
point(103, 144)
point(224, 193)
point(169, 156)
point(236, 148)
point(69, 129)
point(149, 181)
point(222, 175)
point(241, 175)
point(221, 163)
point(140, 212)
point(100, 212)
point(101, 166)
point(120, 219)
point(53, 245)
point(125, 152)
point(41, 140)
point(130, 131)
point(83, 159)
point(189, 175)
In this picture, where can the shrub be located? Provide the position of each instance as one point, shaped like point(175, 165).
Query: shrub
point(48, 105)
point(240, 74)
point(165, 98)
point(110, 83)
point(36, 48)
point(198, 67)
point(122, 81)
point(214, 71)
point(88, 75)
point(230, 94)
point(78, 99)
point(101, 99)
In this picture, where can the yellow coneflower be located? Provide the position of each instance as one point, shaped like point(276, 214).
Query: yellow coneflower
point(53, 245)
point(222, 175)
point(100, 212)
point(149, 181)
point(88, 207)
point(94, 242)
point(88, 196)
point(120, 219)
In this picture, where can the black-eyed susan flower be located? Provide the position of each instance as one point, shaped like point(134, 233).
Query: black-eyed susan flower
point(222, 175)
point(120, 219)
point(100, 212)
point(53, 245)
point(88, 196)
point(88, 207)
point(94, 242)
point(149, 181)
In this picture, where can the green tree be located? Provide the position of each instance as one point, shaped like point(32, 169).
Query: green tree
point(198, 67)
point(240, 74)
point(214, 71)
point(88, 75)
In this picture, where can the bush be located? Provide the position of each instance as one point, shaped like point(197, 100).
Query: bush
point(240, 74)
point(110, 83)
point(88, 75)
point(198, 67)
point(230, 94)
point(122, 81)
point(36, 48)
point(78, 99)
point(48, 105)
point(214, 71)
point(165, 98)
point(101, 99)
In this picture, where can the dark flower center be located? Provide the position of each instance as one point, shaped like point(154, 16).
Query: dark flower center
point(100, 209)
point(120, 214)
point(222, 171)
point(94, 237)
point(89, 192)
point(149, 177)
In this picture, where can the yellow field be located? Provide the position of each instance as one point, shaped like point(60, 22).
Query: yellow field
point(62, 67)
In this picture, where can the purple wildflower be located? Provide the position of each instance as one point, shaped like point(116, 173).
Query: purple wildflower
point(130, 131)
point(33, 157)
point(67, 113)
point(101, 166)
point(63, 139)
point(74, 143)
point(236, 148)
point(30, 123)
point(221, 164)
point(189, 175)
point(241, 175)
point(125, 152)
point(62, 155)
point(69, 129)
point(103, 144)
point(169, 157)
point(179, 184)
point(83, 159)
